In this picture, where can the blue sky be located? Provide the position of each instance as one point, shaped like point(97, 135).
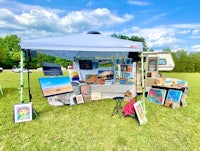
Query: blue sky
point(163, 23)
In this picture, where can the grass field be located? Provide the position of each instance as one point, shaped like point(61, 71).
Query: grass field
point(89, 126)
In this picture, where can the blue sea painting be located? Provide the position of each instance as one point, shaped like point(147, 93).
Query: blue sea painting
point(55, 85)
point(174, 95)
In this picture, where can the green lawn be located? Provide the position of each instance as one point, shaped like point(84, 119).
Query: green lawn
point(89, 126)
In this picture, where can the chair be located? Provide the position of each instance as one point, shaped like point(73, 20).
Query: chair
point(118, 107)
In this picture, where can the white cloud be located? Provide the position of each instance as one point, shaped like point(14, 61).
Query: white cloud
point(137, 2)
point(47, 21)
point(196, 47)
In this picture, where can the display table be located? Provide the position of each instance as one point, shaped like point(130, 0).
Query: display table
point(111, 91)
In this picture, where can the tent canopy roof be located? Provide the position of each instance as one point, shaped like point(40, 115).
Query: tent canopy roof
point(82, 45)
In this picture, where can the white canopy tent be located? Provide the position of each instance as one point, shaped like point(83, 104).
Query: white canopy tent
point(91, 45)
point(82, 45)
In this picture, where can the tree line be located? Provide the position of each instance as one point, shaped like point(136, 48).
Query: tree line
point(10, 55)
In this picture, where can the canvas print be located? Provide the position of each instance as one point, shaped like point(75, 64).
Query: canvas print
point(128, 61)
point(156, 95)
point(79, 99)
point(73, 75)
point(95, 65)
point(106, 74)
point(96, 95)
point(118, 61)
point(129, 68)
point(91, 78)
point(183, 100)
point(175, 97)
point(22, 112)
point(85, 90)
point(55, 85)
point(105, 63)
point(140, 112)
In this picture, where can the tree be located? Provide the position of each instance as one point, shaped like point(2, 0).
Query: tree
point(133, 38)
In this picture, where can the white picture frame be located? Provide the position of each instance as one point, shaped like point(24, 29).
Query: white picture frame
point(23, 112)
point(140, 112)
point(79, 99)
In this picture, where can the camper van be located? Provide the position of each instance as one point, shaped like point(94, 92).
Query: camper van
point(154, 62)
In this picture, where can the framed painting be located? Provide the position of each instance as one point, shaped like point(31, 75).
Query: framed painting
point(106, 74)
point(91, 78)
point(23, 112)
point(175, 97)
point(74, 75)
point(96, 95)
point(183, 100)
point(79, 99)
point(156, 95)
point(128, 61)
point(55, 85)
point(105, 63)
point(140, 112)
point(95, 65)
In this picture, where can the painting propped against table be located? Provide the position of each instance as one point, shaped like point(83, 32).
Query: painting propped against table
point(156, 96)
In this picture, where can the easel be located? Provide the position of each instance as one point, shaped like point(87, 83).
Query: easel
point(28, 54)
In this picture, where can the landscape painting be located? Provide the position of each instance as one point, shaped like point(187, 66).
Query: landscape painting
point(55, 85)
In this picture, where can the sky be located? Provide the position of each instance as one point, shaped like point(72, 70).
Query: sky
point(173, 24)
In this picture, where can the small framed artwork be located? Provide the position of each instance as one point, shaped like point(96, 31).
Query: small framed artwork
point(183, 100)
point(96, 96)
point(128, 61)
point(126, 75)
point(91, 78)
point(175, 96)
point(156, 95)
point(79, 99)
point(95, 65)
point(129, 68)
point(140, 112)
point(23, 112)
point(118, 61)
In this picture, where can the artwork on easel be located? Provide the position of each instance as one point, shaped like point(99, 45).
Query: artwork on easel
point(22, 112)
point(55, 85)
point(156, 95)
point(140, 112)
point(175, 96)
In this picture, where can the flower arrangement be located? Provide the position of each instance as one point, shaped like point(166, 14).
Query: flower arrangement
point(128, 108)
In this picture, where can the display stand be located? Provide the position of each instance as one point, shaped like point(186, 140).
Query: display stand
point(28, 54)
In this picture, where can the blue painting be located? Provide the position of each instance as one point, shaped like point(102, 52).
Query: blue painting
point(174, 95)
point(55, 85)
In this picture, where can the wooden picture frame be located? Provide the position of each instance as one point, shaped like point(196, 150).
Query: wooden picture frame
point(140, 112)
point(156, 95)
point(23, 112)
point(79, 99)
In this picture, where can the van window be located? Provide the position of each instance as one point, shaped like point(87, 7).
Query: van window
point(162, 62)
